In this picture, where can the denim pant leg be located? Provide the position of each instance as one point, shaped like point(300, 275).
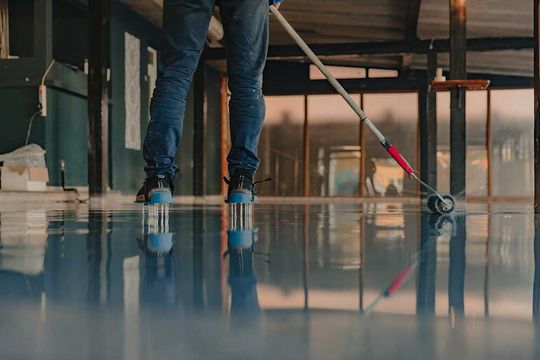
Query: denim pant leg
point(185, 26)
point(245, 24)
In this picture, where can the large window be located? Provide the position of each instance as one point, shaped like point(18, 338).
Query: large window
point(443, 142)
point(334, 142)
point(396, 115)
point(513, 142)
point(334, 145)
point(281, 146)
point(339, 166)
point(476, 118)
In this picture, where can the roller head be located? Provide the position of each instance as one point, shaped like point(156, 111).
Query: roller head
point(445, 205)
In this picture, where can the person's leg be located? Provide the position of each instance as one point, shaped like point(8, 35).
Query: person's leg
point(245, 24)
point(185, 26)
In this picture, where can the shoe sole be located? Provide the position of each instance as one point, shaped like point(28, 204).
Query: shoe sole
point(161, 197)
point(241, 198)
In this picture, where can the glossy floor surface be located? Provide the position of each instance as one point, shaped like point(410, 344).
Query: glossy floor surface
point(319, 281)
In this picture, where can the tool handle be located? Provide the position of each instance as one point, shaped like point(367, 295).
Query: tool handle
point(394, 152)
point(331, 79)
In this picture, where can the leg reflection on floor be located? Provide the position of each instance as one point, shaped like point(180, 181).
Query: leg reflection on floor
point(274, 281)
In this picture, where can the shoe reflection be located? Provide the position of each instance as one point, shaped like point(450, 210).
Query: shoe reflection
point(242, 279)
point(157, 266)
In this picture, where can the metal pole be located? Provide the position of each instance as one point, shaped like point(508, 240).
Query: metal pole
point(98, 107)
point(199, 130)
point(331, 79)
point(306, 141)
point(489, 147)
point(362, 190)
point(537, 106)
point(458, 71)
point(428, 125)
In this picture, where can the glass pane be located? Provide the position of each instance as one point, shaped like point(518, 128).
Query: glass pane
point(512, 113)
point(334, 133)
point(476, 172)
point(396, 116)
point(443, 142)
point(281, 147)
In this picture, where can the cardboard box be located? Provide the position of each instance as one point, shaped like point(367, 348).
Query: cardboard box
point(24, 179)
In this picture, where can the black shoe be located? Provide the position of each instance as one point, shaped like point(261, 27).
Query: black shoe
point(156, 190)
point(242, 188)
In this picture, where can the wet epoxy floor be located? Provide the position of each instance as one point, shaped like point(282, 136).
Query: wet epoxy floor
point(326, 281)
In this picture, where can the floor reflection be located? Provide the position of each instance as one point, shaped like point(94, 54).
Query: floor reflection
point(283, 281)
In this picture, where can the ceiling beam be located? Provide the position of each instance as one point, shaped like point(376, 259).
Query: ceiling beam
point(387, 47)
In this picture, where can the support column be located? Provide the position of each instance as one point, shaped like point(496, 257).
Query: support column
point(98, 104)
point(458, 70)
point(43, 24)
point(362, 190)
point(537, 106)
point(428, 126)
point(489, 146)
point(306, 139)
point(199, 130)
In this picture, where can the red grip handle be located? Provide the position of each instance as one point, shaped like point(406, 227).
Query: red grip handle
point(400, 159)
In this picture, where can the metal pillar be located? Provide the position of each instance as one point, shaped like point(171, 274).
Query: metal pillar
point(98, 107)
point(458, 70)
point(489, 146)
point(428, 126)
point(537, 106)
point(307, 190)
point(199, 129)
point(43, 24)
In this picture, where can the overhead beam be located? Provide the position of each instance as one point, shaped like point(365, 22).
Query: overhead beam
point(458, 71)
point(387, 47)
point(312, 87)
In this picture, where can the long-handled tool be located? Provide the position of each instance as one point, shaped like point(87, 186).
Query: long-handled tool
point(442, 204)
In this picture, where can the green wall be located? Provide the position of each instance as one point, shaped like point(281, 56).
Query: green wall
point(63, 133)
point(126, 165)
point(17, 104)
point(67, 137)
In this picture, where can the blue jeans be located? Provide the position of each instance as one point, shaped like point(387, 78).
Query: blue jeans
point(185, 26)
